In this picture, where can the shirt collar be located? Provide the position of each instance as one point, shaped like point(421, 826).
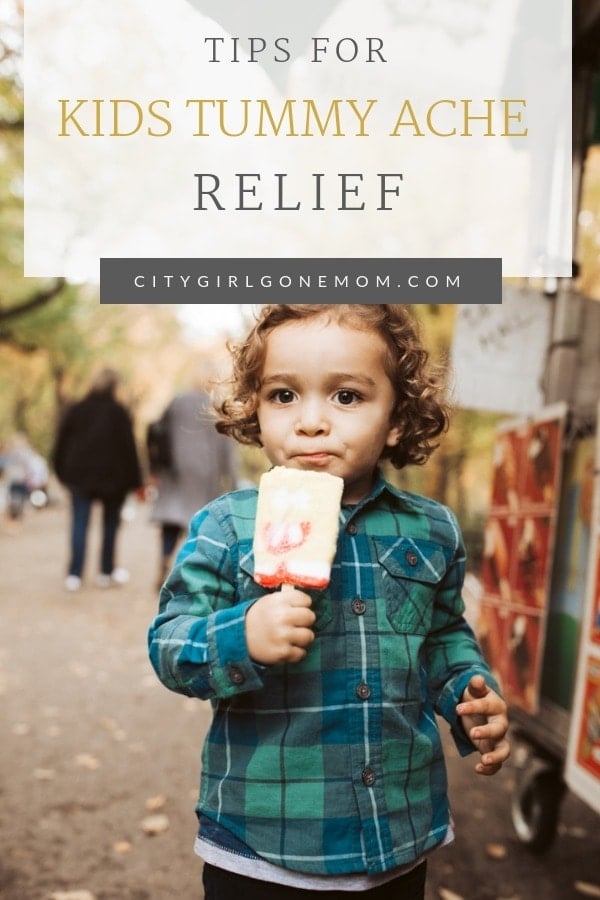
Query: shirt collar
point(381, 487)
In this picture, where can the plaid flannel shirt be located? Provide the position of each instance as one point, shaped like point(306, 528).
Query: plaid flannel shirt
point(333, 765)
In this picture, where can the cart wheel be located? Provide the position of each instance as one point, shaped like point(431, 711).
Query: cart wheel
point(536, 804)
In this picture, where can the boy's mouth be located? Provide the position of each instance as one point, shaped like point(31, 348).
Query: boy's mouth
point(317, 458)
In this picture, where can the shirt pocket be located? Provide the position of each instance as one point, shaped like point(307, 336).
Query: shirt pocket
point(411, 570)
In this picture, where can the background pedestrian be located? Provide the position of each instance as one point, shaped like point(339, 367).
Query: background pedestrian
point(95, 457)
point(24, 471)
point(197, 464)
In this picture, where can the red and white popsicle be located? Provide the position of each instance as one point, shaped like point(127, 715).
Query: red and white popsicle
point(297, 524)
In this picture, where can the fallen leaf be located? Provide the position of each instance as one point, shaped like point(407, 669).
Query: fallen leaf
point(138, 747)
point(445, 894)
point(587, 889)
point(496, 851)
point(122, 847)
point(79, 669)
point(155, 824)
point(108, 723)
point(87, 761)
point(21, 728)
point(155, 803)
point(44, 774)
point(72, 895)
point(113, 727)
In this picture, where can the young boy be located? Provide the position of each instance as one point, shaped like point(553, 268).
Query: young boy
point(323, 768)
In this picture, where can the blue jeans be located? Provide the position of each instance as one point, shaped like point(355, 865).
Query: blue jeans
point(81, 508)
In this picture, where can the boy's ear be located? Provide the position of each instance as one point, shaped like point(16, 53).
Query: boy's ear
point(393, 436)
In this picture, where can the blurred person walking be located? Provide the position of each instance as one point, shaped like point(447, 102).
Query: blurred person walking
point(96, 459)
point(24, 471)
point(191, 463)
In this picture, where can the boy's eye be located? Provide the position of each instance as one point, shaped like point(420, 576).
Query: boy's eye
point(283, 395)
point(346, 397)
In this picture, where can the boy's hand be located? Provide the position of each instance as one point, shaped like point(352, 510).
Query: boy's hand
point(485, 721)
point(279, 627)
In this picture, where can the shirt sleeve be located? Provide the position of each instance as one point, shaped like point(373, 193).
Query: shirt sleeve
point(197, 642)
point(453, 654)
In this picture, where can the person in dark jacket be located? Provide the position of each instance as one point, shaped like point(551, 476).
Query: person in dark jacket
point(95, 457)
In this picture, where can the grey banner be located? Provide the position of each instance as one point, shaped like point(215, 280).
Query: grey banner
point(197, 280)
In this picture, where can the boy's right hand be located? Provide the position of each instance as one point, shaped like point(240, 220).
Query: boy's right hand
point(279, 627)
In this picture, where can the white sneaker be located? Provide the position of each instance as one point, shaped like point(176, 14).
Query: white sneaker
point(117, 578)
point(120, 576)
point(72, 583)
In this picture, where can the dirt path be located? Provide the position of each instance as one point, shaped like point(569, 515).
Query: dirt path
point(92, 744)
point(94, 751)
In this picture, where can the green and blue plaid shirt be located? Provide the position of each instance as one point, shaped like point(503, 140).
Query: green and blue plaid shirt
point(333, 765)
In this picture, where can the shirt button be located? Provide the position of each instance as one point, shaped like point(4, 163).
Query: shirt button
point(358, 606)
point(363, 691)
point(368, 777)
point(411, 558)
point(351, 529)
point(236, 676)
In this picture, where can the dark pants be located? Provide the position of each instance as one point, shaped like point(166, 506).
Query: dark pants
point(222, 885)
point(18, 493)
point(81, 508)
point(170, 534)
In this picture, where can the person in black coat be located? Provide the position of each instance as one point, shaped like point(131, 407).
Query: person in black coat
point(95, 457)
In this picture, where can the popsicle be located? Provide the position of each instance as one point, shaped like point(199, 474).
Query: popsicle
point(297, 523)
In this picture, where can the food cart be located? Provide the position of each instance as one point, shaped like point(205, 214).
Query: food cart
point(539, 620)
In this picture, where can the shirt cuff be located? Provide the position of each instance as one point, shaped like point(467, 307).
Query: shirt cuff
point(232, 670)
point(452, 696)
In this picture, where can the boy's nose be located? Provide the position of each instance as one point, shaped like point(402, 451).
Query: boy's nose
point(311, 419)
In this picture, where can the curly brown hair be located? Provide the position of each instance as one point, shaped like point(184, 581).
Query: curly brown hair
point(419, 411)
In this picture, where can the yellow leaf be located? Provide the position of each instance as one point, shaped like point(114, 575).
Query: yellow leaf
point(445, 894)
point(87, 761)
point(155, 824)
point(496, 851)
point(72, 895)
point(122, 847)
point(44, 774)
point(587, 889)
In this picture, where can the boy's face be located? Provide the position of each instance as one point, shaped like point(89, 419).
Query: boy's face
point(325, 402)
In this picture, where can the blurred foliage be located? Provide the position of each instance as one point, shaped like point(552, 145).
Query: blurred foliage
point(54, 336)
point(588, 232)
point(459, 471)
